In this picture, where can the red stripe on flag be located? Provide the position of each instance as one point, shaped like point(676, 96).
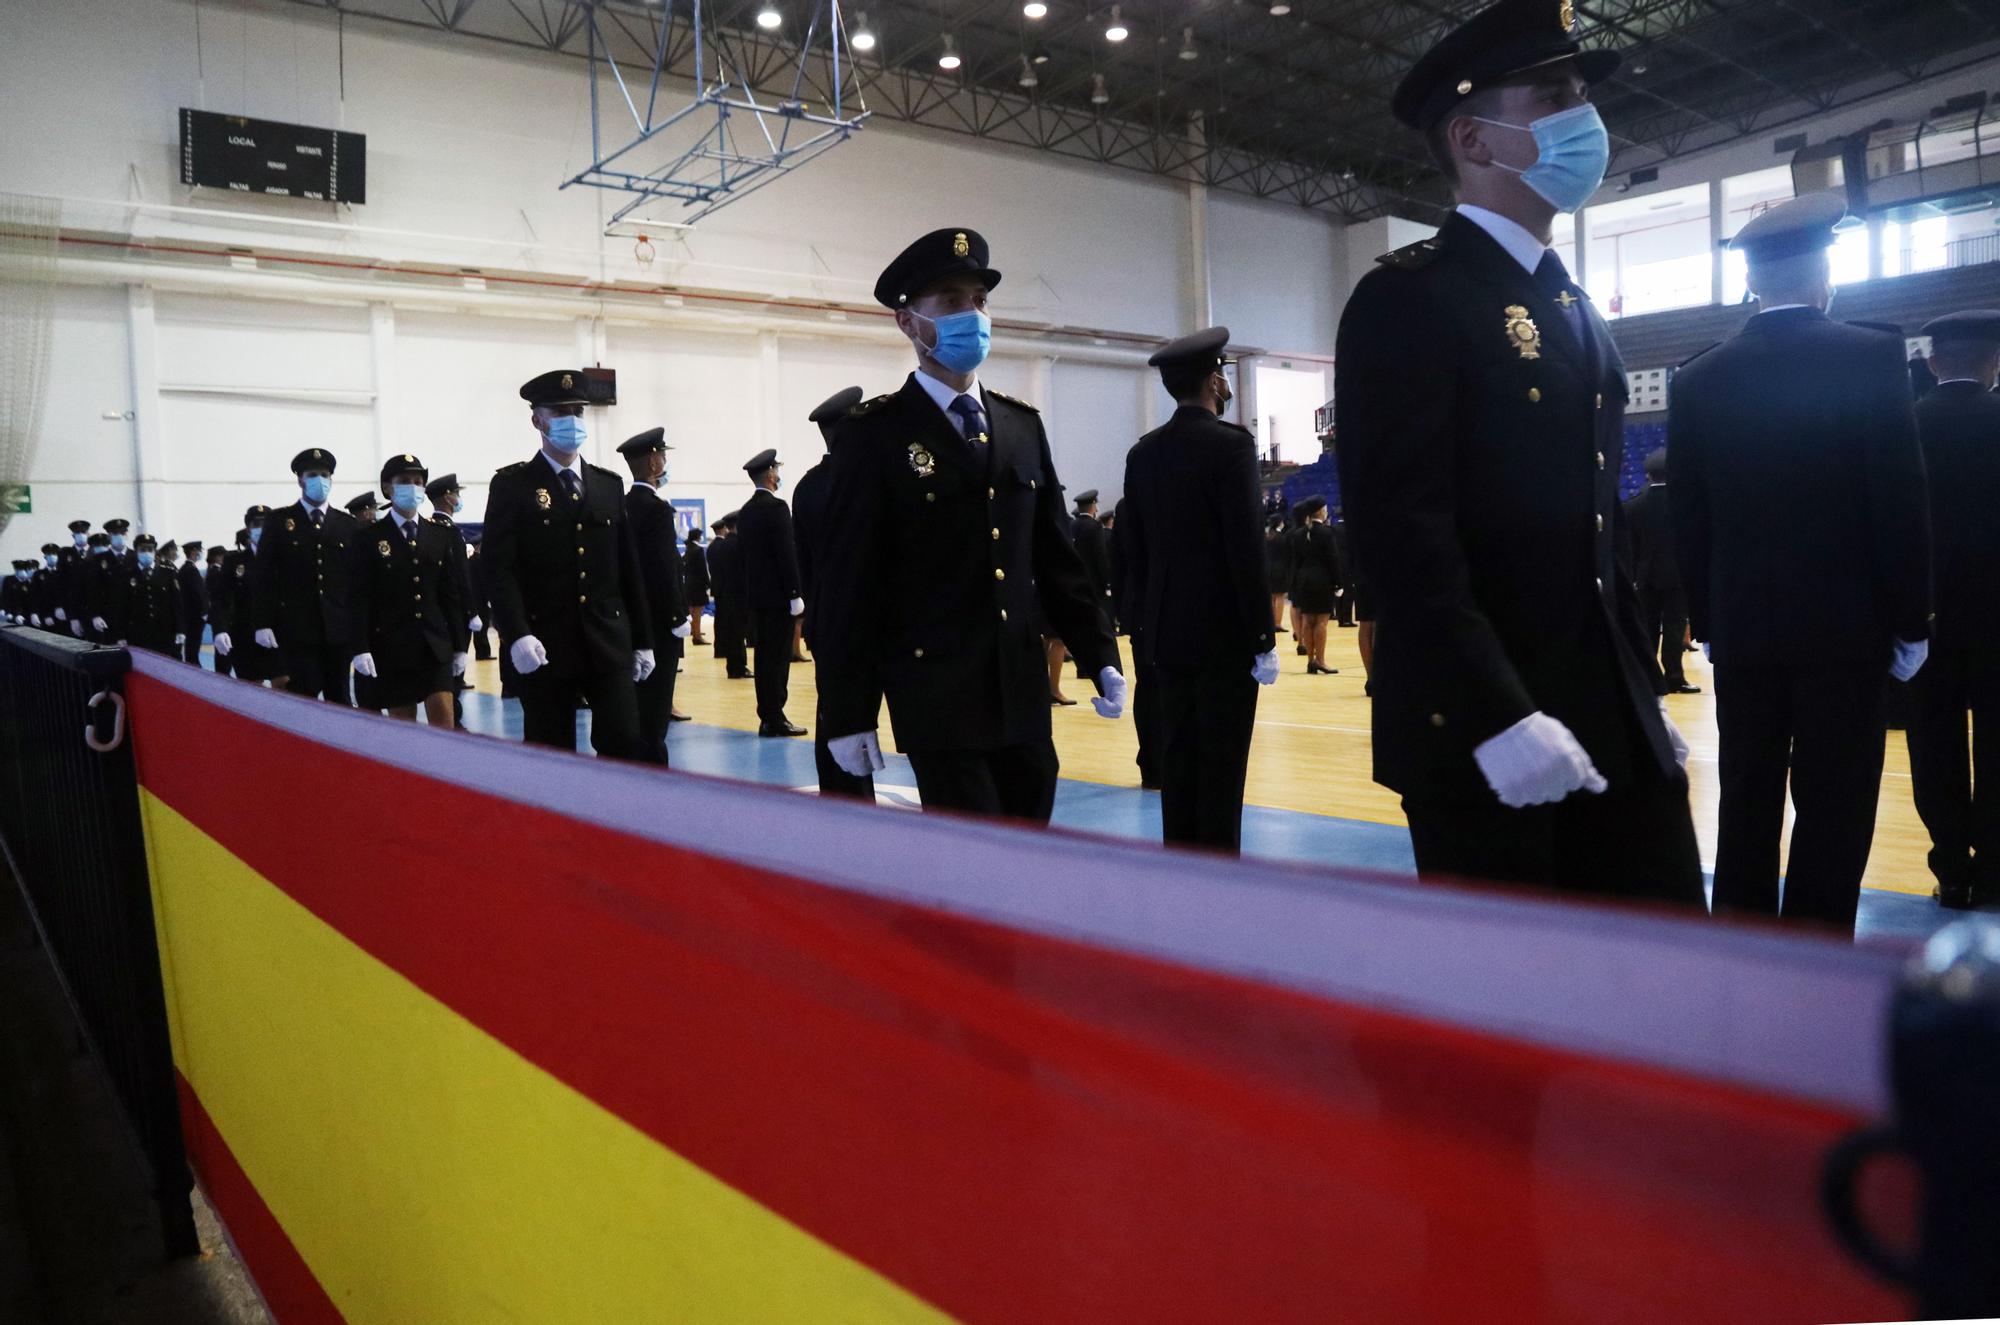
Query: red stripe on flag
point(1022, 1129)
point(287, 1283)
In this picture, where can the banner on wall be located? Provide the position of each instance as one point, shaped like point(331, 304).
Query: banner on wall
point(467, 1030)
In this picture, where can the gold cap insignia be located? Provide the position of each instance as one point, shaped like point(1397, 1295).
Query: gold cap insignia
point(921, 460)
point(383, 547)
point(290, 525)
point(1522, 333)
point(959, 247)
point(410, 460)
point(565, 381)
point(1568, 16)
point(542, 498)
point(1465, 87)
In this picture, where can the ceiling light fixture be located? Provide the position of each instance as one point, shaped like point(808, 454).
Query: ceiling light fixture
point(1034, 9)
point(948, 58)
point(1027, 78)
point(1098, 96)
point(1279, 8)
point(1188, 52)
point(1117, 31)
point(769, 18)
point(1041, 55)
point(863, 39)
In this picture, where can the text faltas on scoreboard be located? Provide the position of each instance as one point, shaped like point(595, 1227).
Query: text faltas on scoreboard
point(246, 155)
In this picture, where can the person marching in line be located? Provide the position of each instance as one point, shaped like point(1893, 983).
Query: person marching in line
point(14, 592)
point(1958, 422)
point(1662, 600)
point(567, 588)
point(1802, 531)
point(254, 660)
point(1478, 400)
point(409, 610)
point(364, 509)
point(193, 583)
point(1279, 561)
point(1316, 581)
point(1203, 623)
point(810, 516)
point(153, 618)
point(1145, 680)
point(301, 604)
point(216, 585)
point(1093, 545)
point(772, 595)
point(42, 589)
point(104, 593)
point(694, 582)
point(651, 518)
point(948, 547)
point(725, 566)
point(445, 501)
point(67, 610)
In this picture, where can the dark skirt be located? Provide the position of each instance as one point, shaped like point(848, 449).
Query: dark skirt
point(398, 689)
point(254, 662)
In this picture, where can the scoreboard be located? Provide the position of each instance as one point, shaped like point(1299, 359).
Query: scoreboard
point(264, 156)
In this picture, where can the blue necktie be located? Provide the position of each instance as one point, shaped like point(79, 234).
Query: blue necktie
point(570, 483)
point(1553, 277)
point(972, 421)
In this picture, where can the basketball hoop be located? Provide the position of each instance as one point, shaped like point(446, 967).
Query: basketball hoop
point(643, 253)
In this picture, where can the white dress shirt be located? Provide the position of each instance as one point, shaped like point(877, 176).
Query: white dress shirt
point(1511, 235)
point(946, 396)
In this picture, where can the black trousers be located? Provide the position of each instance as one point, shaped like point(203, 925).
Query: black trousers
point(191, 647)
point(1206, 717)
point(656, 705)
point(1636, 843)
point(1343, 606)
point(833, 779)
point(319, 672)
point(220, 661)
point(1664, 613)
point(549, 704)
point(1013, 782)
point(1822, 727)
point(482, 645)
point(1958, 800)
point(772, 632)
point(1146, 716)
point(729, 642)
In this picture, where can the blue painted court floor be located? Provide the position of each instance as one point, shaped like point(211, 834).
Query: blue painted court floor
point(1285, 835)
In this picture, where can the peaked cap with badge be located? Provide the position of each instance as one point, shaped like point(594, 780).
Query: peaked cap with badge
point(939, 254)
point(1494, 46)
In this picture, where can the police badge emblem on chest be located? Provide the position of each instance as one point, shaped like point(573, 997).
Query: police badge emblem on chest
point(921, 460)
point(383, 547)
point(542, 498)
point(1522, 333)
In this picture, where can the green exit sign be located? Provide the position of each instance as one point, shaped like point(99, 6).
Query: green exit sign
point(14, 499)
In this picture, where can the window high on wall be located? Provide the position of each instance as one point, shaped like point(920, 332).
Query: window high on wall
point(1651, 253)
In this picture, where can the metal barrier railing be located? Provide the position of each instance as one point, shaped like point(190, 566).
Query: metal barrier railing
point(69, 822)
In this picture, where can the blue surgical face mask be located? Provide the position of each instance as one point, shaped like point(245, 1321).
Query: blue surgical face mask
point(80, 540)
point(255, 534)
point(50, 560)
point(566, 433)
point(1572, 152)
point(145, 561)
point(406, 497)
point(317, 487)
point(963, 339)
point(118, 542)
point(661, 481)
point(22, 574)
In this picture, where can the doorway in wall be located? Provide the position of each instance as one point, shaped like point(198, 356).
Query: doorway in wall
point(1286, 394)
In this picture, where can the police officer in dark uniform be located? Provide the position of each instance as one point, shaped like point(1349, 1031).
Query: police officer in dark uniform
point(151, 607)
point(409, 606)
point(725, 566)
point(363, 509)
point(301, 603)
point(948, 547)
point(810, 516)
point(444, 497)
point(194, 599)
point(651, 517)
point(42, 598)
point(694, 579)
point(771, 590)
point(567, 587)
point(1958, 421)
point(101, 615)
point(68, 609)
point(1093, 545)
point(1479, 408)
point(14, 592)
point(1196, 557)
point(1801, 523)
point(1662, 600)
point(235, 633)
point(217, 584)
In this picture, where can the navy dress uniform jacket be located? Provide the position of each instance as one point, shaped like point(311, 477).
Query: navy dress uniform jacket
point(936, 573)
point(1478, 451)
point(194, 596)
point(1194, 549)
point(770, 554)
point(1799, 509)
point(152, 609)
point(1093, 545)
point(409, 605)
point(809, 513)
point(651, 518)
point(1960, 427)
point(566, 571)
point(299, 585)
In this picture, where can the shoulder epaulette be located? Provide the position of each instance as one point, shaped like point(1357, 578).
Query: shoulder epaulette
point(439, 517)
point(514, 468)
point(1696, 355)
point(868, 406)
point(1011, 400)
point(1414, 257)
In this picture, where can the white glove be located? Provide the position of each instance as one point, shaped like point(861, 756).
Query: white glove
point(1265, 669)
point(364, 664)
point(76, 629)
point(1910, 655)
point(222, 644)
point(684, 629)
point(34, 618)
point(1674, 738)
point(859, 755)
point(458, 664)
point(180, 640)
point(798, 606)
point(97, 623)
point(528, 654)
point(477, 625)
point(1537, 761)
point(62, 614)
point(642, 664)
point(1110, 704)
point(1340, 593)
point(265, 638)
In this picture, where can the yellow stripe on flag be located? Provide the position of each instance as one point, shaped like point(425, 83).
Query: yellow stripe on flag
point(426, 1172)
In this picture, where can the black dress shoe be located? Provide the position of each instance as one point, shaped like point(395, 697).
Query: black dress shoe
point(1955, 898)
point(1060, 702)
point(1304, 652)
point(785, 728)
point(680, 717)
point(745, 675)
point(1314, 669)
point(1685, 689)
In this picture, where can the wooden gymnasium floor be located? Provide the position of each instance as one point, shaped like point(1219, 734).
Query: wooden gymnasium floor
point(1309, 791)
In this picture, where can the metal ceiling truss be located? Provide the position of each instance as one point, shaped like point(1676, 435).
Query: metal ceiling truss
point(1293, 107)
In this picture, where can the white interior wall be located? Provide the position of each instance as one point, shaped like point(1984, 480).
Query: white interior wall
point(468, 141)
